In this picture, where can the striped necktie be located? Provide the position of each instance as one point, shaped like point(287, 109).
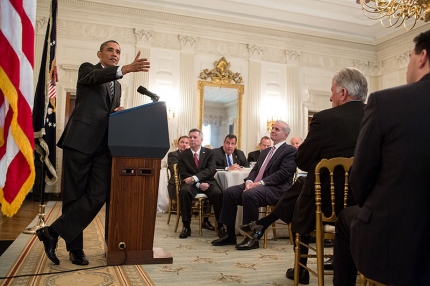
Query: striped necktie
point(263, 168)
point(229, 161)
point(111, 84)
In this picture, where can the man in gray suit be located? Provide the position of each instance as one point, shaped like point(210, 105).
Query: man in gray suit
point(87, 159)
point(386, 237)
point(172, 159)
point(271, 176)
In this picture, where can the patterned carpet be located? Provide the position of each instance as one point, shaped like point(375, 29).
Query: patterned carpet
point(195, 260)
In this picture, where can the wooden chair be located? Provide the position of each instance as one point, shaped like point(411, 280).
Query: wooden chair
point(364, 280)
point(198, 203)
point(173, 203)
point(320, 232)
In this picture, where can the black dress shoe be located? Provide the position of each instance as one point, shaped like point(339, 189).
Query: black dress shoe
point(328, 243)
point(186, 232)
point(49, 242)
point(251, 230)
point(248, 244)
point(328, 265)
point(304, 275)
point(207, 225)
point(78, 257)
point(221, 232)
point(225, 240)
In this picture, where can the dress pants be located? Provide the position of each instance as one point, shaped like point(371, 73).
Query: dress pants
point(345, 272)
point(251, 200)
point(285, 207)
point(188, 193)
point(86, 189)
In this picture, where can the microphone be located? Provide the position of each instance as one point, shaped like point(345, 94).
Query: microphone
point(144, 91)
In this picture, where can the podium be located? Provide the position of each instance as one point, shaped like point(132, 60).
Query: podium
point(138, 140)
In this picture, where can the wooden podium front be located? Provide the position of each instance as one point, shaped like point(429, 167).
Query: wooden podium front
point(132, 212)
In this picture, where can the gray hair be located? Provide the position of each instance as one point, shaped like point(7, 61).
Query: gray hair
point(353, 81)
point(286, 126)
point(196, 130)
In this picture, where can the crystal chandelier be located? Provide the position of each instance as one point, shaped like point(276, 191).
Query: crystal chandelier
point(394, 13)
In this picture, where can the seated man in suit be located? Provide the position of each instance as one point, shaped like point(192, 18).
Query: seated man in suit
point(271, 176)
point(386, 237)
point(228, 157)
point(296, 141)
point(172, 159)
point(328, 137)
point(197, 170)
point(264, 143)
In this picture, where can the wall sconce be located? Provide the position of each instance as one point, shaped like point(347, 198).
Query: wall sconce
point(170, 113)
point(270, 123)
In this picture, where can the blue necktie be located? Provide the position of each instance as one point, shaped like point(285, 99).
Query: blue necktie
point(229, 161)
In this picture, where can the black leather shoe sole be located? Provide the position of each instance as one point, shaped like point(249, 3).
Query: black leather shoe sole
point(50, 244)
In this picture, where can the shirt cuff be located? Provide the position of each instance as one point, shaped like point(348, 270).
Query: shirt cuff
point(119, 72)
point(197, 185)
point(196, 179)
point(249, 181)
point(262, 183)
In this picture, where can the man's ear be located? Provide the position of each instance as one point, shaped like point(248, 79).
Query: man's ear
point(99, 54)
point(424, 58)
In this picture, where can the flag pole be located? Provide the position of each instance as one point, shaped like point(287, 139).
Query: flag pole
point(41, 216)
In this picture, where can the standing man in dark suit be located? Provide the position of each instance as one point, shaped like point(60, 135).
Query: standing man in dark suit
point(172, 159)
point(87, 159)
point(264, 143)
point(268, 180)
point(386, 237)
point(332, 133)
point(197, 170)
point(228, 157)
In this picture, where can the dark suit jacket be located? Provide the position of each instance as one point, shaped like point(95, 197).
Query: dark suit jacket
point(221, 160)
point(279, 172)
point(253, 156)
point(172, 159)
point(332, 133)
point(206, 170)
point(88, 123)
point(390, 181)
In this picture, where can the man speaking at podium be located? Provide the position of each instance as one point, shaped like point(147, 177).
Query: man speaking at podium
point(87, 159)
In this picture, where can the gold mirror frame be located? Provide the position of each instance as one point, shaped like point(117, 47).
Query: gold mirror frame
point(240, 90)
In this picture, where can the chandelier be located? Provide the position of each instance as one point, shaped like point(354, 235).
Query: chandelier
point(394, 13)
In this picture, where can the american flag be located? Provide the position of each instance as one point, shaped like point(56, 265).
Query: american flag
point(17, 21)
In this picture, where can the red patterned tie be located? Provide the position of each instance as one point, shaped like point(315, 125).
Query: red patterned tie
point(263, 168)
point(196, 159)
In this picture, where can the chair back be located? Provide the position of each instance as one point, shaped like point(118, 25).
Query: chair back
point(330, 165)
point(177, 180)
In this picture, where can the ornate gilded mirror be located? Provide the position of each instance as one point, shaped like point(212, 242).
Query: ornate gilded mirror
point(220, 111)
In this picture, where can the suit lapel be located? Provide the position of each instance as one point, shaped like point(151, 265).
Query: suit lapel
point(276, 155)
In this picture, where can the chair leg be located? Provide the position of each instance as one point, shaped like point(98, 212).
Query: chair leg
point(200, 216)
point(178, 215)
point(297, 260)
point(169, 211)
point(290, 234)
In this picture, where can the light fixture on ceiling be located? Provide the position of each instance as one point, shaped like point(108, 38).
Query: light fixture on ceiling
point(394, 13)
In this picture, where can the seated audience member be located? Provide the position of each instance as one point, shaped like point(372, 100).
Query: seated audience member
point(386, 237)
point(264, 143)
point(197, 169)
point(172, 159)
point(271, 176)
point(328, 137)
point(296, 141)
point(228, 157)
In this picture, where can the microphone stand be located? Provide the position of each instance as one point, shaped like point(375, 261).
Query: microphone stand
point(41, 215)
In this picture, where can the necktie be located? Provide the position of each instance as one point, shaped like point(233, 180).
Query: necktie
point(229, 161)
point(111, 88)
point(196, 159)
point(263, 168)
